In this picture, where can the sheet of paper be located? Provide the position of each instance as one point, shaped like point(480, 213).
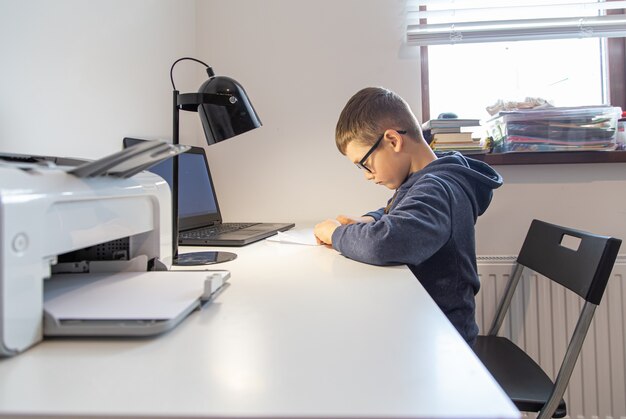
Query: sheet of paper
point(296, 236)
point(125, 295)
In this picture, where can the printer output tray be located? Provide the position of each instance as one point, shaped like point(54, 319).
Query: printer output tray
point(125, 303)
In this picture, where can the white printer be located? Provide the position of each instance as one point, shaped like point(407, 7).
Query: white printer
point(78, 246)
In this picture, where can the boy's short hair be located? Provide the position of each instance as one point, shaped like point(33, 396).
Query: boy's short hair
point(369, 113)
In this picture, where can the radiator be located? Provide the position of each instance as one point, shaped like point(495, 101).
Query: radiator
point(541, 320)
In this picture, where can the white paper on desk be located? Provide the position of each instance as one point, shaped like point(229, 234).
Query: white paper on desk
point(298, 236)
point(124, 295)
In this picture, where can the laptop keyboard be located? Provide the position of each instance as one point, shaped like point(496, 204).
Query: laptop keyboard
point(213, 231)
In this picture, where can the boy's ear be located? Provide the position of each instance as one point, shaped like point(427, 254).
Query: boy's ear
point(395, 139)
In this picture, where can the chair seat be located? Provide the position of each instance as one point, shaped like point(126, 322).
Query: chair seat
point(526, 384)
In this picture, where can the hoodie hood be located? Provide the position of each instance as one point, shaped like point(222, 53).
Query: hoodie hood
point(475, 177)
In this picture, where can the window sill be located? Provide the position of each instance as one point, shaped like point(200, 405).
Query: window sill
point(555, 157)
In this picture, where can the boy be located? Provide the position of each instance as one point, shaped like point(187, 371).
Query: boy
point(428, 224)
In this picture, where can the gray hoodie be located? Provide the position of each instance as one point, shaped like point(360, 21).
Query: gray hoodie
point(430, 228)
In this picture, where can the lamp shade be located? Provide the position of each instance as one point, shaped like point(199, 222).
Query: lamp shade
point(222, 122)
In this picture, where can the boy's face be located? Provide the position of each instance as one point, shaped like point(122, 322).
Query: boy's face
point(384, 165)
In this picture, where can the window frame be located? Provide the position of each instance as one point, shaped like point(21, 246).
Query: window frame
point(616, 74)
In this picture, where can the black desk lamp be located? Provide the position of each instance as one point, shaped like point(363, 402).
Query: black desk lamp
point(225, 112)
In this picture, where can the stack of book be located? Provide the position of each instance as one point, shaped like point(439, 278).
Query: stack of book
point(448, 134)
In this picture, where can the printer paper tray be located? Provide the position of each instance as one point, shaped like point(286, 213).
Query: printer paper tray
point(124, 304)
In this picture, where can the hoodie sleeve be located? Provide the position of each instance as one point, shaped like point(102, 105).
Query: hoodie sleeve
point(376, 215)
point(416, 228)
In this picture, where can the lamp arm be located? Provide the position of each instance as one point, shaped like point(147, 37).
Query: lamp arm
point(175, 134)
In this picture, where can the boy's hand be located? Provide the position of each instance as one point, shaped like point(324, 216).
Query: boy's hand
point(324, 231)
point(346, 219)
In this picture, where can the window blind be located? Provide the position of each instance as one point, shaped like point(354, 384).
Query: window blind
point(436, 22)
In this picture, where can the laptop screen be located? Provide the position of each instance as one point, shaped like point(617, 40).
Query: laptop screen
point(197, 202)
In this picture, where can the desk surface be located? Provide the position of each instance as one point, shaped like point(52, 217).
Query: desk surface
point(299, 331)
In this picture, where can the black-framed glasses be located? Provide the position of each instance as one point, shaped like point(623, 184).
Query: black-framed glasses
point(361, 163)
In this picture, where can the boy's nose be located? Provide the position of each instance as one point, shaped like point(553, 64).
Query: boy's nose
point(368, 175)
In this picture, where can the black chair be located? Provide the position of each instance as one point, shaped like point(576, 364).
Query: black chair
point(584, 270)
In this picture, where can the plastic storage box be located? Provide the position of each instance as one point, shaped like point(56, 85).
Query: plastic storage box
point(555, 129)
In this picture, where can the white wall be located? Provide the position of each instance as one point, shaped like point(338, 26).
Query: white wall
point(300, 62)
point(77, 76)
point(96, 71)
point(584, 196)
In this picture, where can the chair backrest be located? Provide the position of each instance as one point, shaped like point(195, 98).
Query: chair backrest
point(578, 260)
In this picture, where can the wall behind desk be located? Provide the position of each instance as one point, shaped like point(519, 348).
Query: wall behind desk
point(300, 63)
point(78, 76)
point(589, 197)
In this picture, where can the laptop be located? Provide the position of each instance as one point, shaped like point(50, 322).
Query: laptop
point(199, 218)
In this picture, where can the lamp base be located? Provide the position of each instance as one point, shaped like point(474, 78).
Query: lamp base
point(203, 258)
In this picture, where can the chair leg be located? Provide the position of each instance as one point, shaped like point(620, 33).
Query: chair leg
point(505, 302)
point(569, 361)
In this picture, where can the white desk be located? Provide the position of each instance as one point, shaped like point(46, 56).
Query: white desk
point(299, 332)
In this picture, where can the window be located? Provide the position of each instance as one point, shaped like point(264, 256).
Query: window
point(475, 52)
point(466, 79)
